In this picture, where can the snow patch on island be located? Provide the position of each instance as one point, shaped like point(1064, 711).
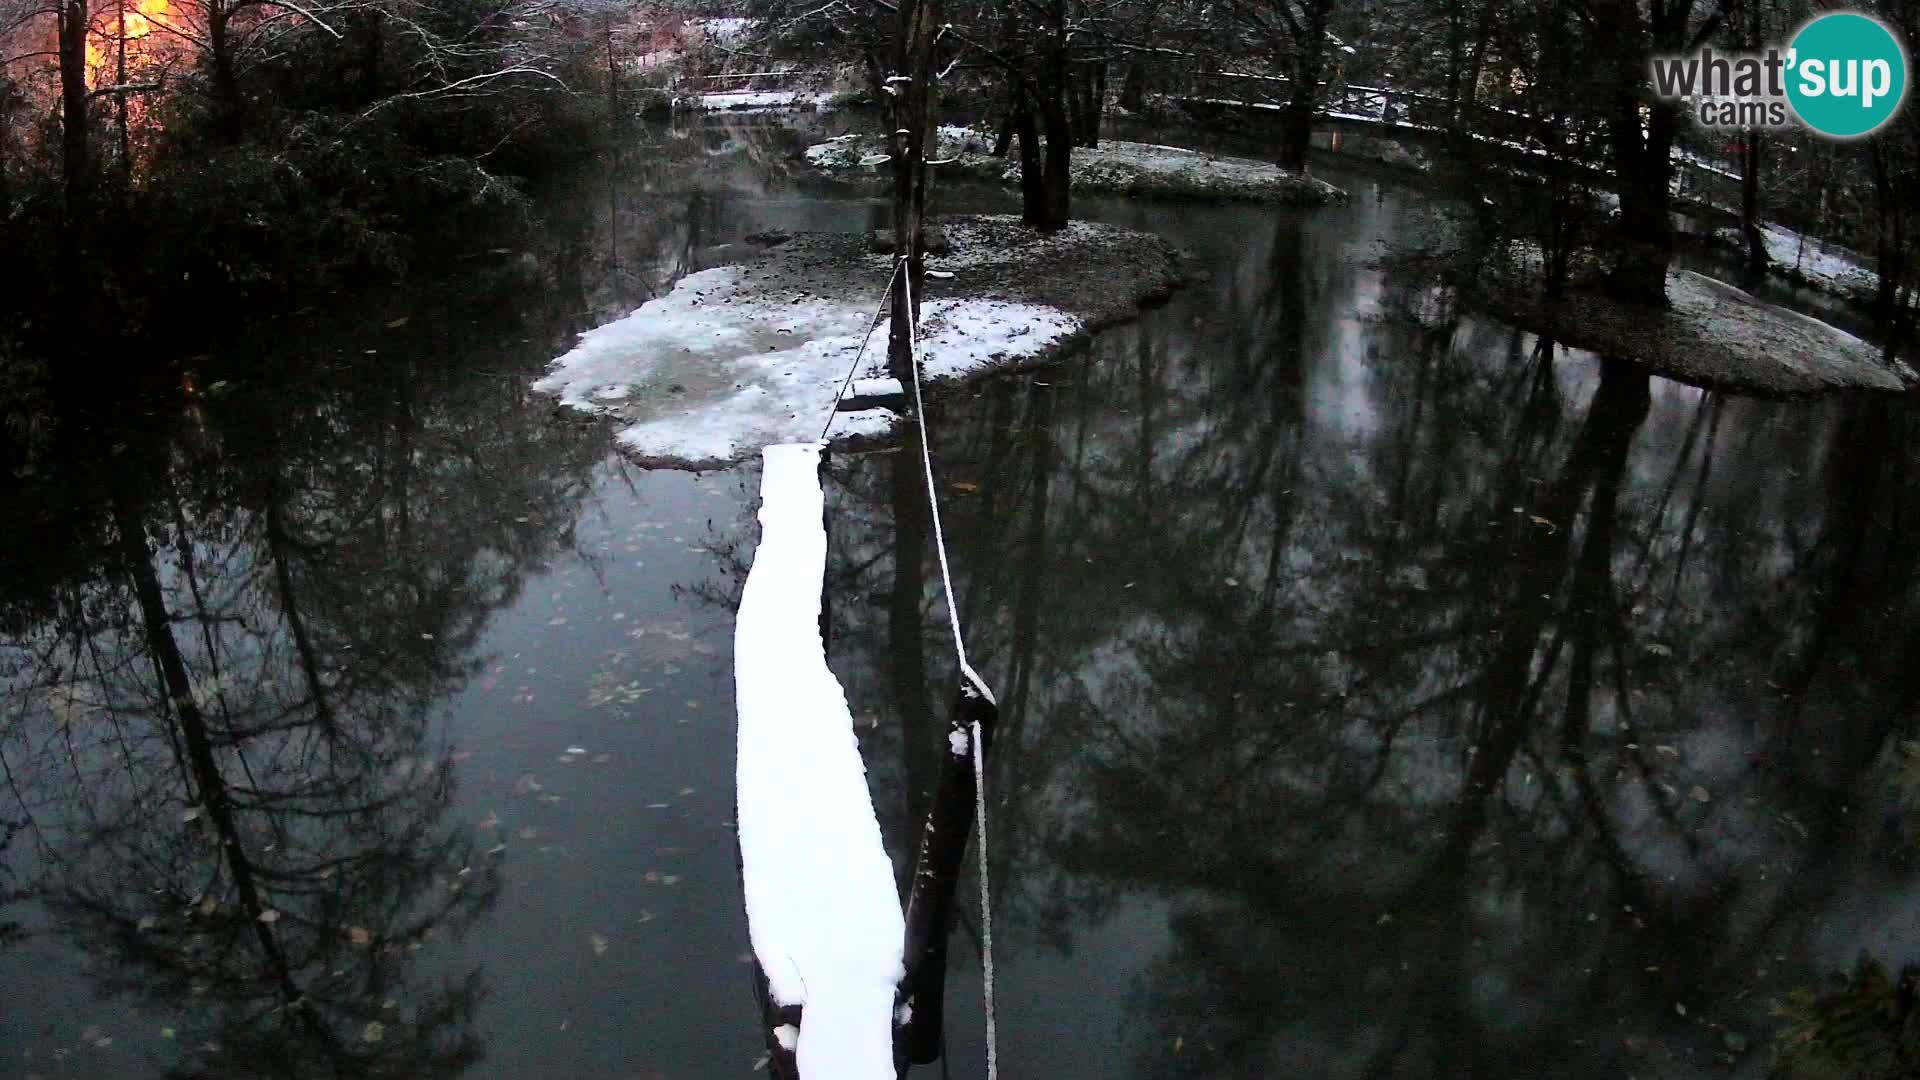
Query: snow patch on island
point(1827, 267)
point(729, 361)
point(760, 100)
point(1146, 170)
point(822, 911)
point(756, 352)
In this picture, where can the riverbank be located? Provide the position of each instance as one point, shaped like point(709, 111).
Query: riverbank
point(1712, 335)
point(1115, 167)
point(755, 351)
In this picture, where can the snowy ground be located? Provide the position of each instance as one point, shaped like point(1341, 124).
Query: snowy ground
point(760, 100)
point(1141, 170)
point(1714, 335)
point(741, 356)
point(1829, 268)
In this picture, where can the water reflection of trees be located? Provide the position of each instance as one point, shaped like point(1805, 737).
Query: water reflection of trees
point(1471, 706)
point(224, 744)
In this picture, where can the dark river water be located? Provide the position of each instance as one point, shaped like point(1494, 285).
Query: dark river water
point(1383, 694)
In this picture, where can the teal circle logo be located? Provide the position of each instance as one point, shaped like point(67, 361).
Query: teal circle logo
point(1847, 74)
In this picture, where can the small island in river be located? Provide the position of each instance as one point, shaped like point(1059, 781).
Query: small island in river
point(757, 351)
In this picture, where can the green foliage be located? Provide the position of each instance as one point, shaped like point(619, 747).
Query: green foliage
point(1864, 1027)
point(25, 421)
point(341, 156)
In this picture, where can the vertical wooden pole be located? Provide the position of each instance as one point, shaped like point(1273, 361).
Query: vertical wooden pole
point(936, 882)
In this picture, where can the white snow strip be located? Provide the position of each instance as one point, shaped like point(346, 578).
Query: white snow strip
point(822, 912)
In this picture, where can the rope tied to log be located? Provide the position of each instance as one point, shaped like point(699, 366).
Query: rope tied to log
point(878, 310)
point(974, 685)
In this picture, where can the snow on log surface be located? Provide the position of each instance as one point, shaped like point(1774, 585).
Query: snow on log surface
point(822, 910)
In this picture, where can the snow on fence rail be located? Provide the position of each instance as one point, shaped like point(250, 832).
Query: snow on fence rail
point(822, 910)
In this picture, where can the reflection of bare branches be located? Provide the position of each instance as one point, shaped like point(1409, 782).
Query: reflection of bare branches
point(225, 746)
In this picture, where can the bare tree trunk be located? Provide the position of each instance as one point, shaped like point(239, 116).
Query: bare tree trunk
point(1891, 241)
point(1750, 164)
point(75, 148)
point(1032, 172)
point(911, 104)
point(1076, 105)
point(613, 75)
point(120, 99)
point(1457, 11)
point(1296, 135)
point(1133, 86)
point(1097, 105)
point(1296, 131)
point(372, 52)
point(1643, 167)
point(230, 108)
point(1056, 201)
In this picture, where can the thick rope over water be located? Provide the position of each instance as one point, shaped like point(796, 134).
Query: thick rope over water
point(974, 682)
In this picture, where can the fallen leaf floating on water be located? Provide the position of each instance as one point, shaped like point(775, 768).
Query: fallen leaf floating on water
point(1548, 525)
point(1699, 794)
point(191, 813)
point(1654, 648)
point(961, 487)
point(359, 935)
point(374, 1031)
point(269, 916)
point(167, 1033)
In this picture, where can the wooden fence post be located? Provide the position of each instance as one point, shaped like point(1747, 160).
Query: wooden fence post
point(936, 880)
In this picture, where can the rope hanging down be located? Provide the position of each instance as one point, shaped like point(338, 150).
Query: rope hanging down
point(878, 310)
point(979, 685)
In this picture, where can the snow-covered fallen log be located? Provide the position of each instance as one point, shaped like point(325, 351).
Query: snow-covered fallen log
point(822, 910)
